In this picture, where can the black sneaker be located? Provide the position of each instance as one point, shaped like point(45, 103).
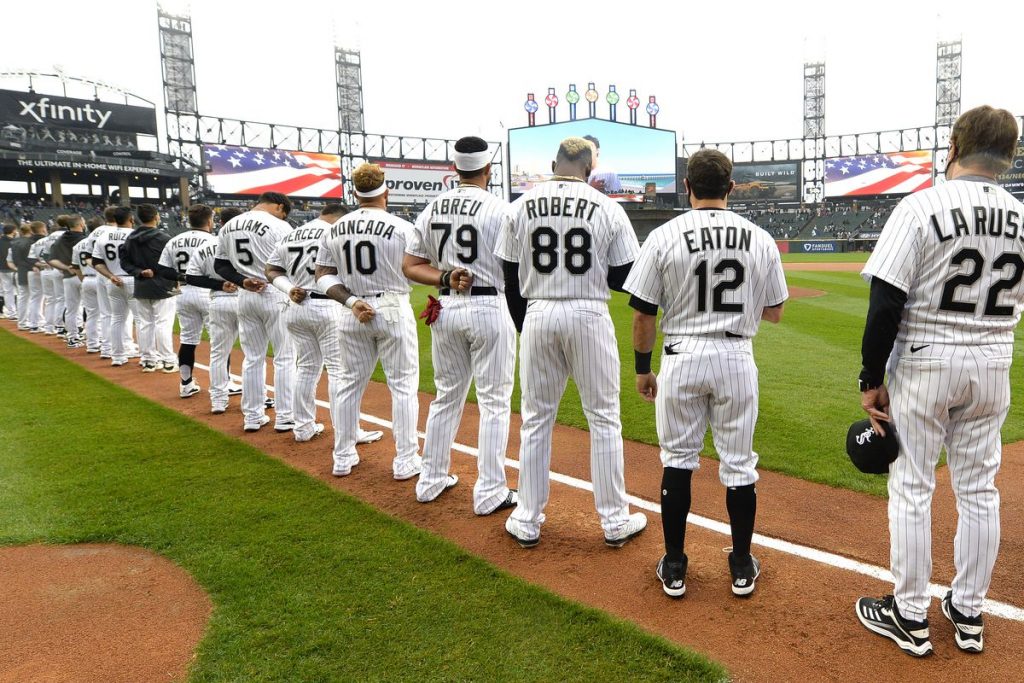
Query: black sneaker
point(969, 631)
point(672, 576)
point(511, 500)
point(268, 403)
point(881, 616)
point(744, 576)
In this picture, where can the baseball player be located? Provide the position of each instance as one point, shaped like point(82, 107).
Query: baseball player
point(82, 265)
point(119, 286)
point(364, 250)
point(244, 245)
point(36, 302)
point(29, 292)
point(473, 338)
point(193, 305)
point(715, 275)
point(60, 259)
point(52, 281)
point(946, 295)
point(565, 247)
point(102, 298)
point(8, 286)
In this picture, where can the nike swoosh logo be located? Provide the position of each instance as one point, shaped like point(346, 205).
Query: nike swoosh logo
point(915, 349)
point(670, 349)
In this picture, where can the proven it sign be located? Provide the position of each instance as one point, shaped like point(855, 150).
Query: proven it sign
point(417, 181)
point(21, 108)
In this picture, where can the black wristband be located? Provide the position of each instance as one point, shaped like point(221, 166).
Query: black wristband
point(642, 362)
point(869, 380)
point(446, 280)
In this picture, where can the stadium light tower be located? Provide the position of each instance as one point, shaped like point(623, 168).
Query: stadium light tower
point(948, 68)
point(814, 130)
point(181, 115)
point(348, 68)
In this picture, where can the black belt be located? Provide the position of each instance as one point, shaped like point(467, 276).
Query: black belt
point(317, 295)
point(368, 296)
point(473, 291)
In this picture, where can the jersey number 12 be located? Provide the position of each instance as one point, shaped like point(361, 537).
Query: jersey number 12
point(719, 290)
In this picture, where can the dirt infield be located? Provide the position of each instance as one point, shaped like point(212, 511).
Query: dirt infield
point(96, 613)
point(799, 624)
point(804, 292)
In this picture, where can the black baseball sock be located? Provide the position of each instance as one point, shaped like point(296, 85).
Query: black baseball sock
point(675, 506)
point(741, 501)
point(186, 359)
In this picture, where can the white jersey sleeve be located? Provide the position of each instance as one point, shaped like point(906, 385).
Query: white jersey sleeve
point(180, 249)
point(248, 241)
point(367, 247)
point(624, 247)
point(80, 256)
point(894, 258)
point(297, 253)
point(645, 280)
point(105, 248)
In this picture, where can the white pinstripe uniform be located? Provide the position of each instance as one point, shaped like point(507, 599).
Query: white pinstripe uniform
point(222, 325)
point(367, 247)
point(314, 325)
point(957, 249)
point(102, 298)
point(248, 241)
point(121, 299)
point(90, 297)
point(72, 287)
point(34, 312)
point(193, 305)
point(712, 272)
point(473, 339)
point(53, 285)
point(564, 236)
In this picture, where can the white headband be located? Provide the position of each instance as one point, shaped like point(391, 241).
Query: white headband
point(370, 194)
point(472, 161)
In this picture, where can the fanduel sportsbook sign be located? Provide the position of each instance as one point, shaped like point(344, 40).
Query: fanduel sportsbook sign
point(21, 108)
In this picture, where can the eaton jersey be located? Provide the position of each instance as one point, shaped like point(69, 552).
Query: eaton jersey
point(80, 256)
point(367, 247)
point(460, 229)
point(105, 247)
point(296, 254)
point(249, 240)
point(565, 235)
point(957, 250)
point(179, 249)
point(710, 271)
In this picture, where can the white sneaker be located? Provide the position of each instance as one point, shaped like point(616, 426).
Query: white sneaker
point(452, 480)
point(189, 390)
point(515, 529)
point(636, 523)
point(343, 469)
point(363, 436)
point(169, 367)
point(255, 426)
point(219, 410)
point(285, 426)
point(318, 429)
point(408, 469)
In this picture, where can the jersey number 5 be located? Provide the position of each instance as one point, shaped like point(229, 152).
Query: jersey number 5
point(719, 290)
point(245, 257)
point(951, 303)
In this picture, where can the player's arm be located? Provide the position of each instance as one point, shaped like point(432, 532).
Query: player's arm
point(227, 271)
point(645, 333)
point(617, 276)
point(101, 268)
point(60, 265)
point(885, 311)
point(278, 277)
point(330, 284)
point(513, 295)
point(418, 269)
point(124, 253)
point(772, 314)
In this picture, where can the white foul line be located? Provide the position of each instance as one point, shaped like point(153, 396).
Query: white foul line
point(993, 607)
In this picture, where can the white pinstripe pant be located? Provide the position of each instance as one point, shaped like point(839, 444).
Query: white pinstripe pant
point(10, 292)
point(103, 304)
point(34, 311)
point(122, 317)
point(155, 327)
point(72, 304)
point(315, 328)
point(261, 322)
point(395, 345)
point(53, 297)
point(90, 303)
point(956, 396)
point(563, 338)
point(472, 340)
point(223, 333)
point(193, 309)
point(708, 379)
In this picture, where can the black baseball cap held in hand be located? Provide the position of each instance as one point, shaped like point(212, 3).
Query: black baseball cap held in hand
point(871, 453)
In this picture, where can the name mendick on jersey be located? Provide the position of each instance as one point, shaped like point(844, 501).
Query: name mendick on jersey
point(363, 226)
point(568, 207)
point(711, 238)
point(987, 221)
point(191, 241)
point(456, 207)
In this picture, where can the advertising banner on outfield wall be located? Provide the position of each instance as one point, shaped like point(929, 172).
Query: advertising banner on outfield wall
point(26, 109)
point(815, 247)
point(766, 181)
point(1013, 180)
point(417, 182)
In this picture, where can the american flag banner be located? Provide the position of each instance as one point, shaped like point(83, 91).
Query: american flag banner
point(889, 173)
point(254, 170)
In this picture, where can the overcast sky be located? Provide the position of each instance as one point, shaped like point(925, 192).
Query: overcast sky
point(721, 71)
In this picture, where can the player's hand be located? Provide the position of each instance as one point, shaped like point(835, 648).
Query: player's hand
point(647, 385)
point(116, 281)
point(363, 311)
point(229, 286)
point(875, 403)
point(146, 273)
point(297, 294)
point(254, 284)
point(461, 279)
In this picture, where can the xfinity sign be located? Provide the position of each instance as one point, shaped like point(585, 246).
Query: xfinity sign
point(31, 109)
point(42, 110)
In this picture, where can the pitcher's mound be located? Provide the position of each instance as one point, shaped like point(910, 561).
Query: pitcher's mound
point(96, 613)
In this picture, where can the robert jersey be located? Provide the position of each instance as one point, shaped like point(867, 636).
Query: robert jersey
point(249, 240)
point(460, 229)
point(105, 247)
point(367, 247)
point(710, 271)
point(957, 250)
point(179, 250)
point(565, 235)
point(296, 254)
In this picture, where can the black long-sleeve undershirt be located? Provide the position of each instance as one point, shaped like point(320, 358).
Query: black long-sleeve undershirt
point(227, 271)
point(169, 273)
point(513, 296)
point(617, 276)
point(205, 282)
point(885, 310)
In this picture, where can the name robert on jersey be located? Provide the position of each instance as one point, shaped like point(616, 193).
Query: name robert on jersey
point(987, 221)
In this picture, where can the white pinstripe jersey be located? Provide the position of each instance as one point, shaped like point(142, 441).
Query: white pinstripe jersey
point(249, 239)
point(180, 249)
point(709, 270)
point(296, 254)
point(367, 247)
point(201, 264)
point(957, 250)
point(565, 235)
point(104, 247)
point(459, 229)
point(43, 246)
point(80, 256)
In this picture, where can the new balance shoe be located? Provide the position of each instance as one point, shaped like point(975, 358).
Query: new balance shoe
point(318, 429)
point(515, 529)
point(511, 500)
point(236, 390)
point(636, 523)
point(189, 390)
point(255, 426)
point(169, 367)
point(672, 576)
point(285, 426)
point(363, 436)
point(407, 469)
point(881, 616)
point(744, 575)
point(75, 343)
point(343, 467)
point(968, 631)
point(148, 366)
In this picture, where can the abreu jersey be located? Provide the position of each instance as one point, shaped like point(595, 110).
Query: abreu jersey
point(957, 250)
point(296, 254)
point(105, 247)
point(710, 271)
point(367, 247)
point(459, 229)
point(565, 235)
point(180, 249)
point(249, 240)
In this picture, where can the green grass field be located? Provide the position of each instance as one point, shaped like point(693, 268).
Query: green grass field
point(308, 583)
point(851, 257)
